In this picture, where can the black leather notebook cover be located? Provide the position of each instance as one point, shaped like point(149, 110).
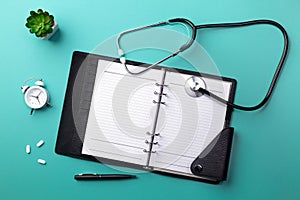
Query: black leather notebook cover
point(210, 166)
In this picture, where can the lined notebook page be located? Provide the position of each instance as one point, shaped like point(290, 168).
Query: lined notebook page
point(121, 114)
point(190, 123)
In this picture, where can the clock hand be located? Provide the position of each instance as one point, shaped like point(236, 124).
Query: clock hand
point(36, 95)
point(37, 98)
point(39, 94)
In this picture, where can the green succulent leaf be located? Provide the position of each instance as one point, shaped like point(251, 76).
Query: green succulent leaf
point(35, 29)
point(47, 27)
point(33, 13)
point(39, 33)
point(51, 23)
point(50, 30)
point(30, 19)
point(40, 23)
point(48, 19)
point(38, 18)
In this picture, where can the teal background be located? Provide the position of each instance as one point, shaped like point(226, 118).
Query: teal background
point(265, 156)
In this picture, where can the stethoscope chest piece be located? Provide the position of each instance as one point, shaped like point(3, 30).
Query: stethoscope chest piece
point(192, 86)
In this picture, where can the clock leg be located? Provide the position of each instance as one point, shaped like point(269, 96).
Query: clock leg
point(31, 111)
point(48, 104)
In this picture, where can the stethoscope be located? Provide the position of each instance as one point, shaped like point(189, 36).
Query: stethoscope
point(195, 86)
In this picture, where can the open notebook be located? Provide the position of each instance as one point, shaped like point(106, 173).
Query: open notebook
point(151, 122)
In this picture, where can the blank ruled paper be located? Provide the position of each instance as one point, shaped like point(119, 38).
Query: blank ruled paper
point(121, 114)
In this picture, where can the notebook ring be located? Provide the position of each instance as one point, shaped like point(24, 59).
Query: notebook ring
point(156, 93)
point(147, 151)
point(158, 84)
point(161, 102)
point(151, 134)
point(154, 143)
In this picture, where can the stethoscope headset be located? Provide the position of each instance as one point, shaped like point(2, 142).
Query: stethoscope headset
point(196, 83)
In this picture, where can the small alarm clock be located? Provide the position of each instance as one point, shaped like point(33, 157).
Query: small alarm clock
point(36, 96)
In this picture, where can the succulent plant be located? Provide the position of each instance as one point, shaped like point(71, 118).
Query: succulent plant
point(40, 23)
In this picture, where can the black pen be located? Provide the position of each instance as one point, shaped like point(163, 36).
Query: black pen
point(103, 176)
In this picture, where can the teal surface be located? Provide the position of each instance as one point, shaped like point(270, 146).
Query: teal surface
point(265, 158)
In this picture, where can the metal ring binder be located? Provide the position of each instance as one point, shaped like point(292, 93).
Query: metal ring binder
point(151, 142)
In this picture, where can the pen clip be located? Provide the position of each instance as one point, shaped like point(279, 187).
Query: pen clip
point(90, 174)
point(87, 177)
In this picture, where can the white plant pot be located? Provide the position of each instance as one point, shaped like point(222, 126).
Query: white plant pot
point(48, 36)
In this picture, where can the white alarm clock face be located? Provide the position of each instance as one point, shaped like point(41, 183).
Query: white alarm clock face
point(36, 97)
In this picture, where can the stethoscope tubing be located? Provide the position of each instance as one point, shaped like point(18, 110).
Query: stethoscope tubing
point(190, 43)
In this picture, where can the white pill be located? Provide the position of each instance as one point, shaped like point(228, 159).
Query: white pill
point(28, 149)
point(41, 161)
point(40, 143)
